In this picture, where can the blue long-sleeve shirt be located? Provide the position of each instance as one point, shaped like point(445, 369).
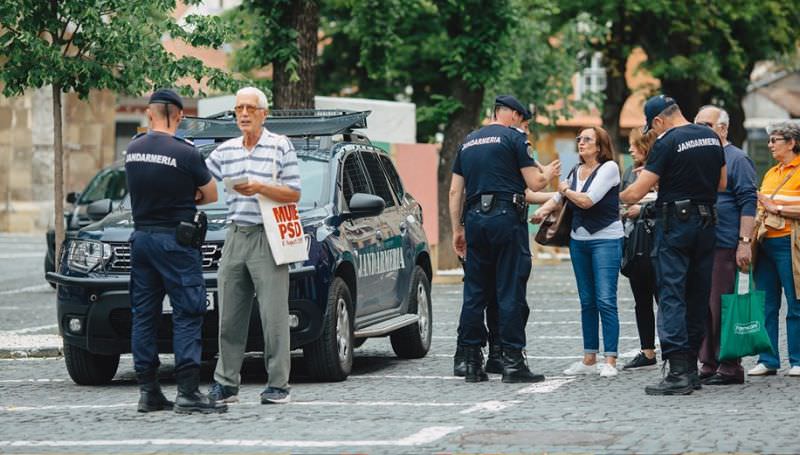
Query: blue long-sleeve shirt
point(739, 198)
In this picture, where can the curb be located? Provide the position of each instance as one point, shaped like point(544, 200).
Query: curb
point(26, 353)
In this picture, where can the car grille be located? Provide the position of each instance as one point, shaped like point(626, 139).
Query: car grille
point(121, 257)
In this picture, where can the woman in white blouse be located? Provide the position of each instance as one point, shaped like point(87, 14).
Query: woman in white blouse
point(592, 191)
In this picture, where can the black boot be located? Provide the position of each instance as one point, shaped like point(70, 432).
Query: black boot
point(677, 382)
point(150, 396)
point(515, 367)
point(494, 363)
point(189, 397)
point(474, 364)
point(459, 362)
point(694, 376)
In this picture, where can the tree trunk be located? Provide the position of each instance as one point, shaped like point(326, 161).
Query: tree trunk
point(303, 17)
point(737, 134)
point(686, 93)
point(58, 171)
point(461, 123)
point(616, 92)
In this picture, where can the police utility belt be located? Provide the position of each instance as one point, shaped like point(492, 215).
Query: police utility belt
point(683, 209)
point(187, 233)
point(488, 201)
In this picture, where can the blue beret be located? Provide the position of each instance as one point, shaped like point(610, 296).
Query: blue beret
point(513, 104)
point(166, 96)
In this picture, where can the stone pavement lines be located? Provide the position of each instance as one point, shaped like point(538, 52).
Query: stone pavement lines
point(425, 436)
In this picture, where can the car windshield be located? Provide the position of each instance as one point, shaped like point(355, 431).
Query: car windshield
point(314, 177)
point(109, 183)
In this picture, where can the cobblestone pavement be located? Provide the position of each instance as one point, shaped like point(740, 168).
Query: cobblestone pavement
point(389, 405)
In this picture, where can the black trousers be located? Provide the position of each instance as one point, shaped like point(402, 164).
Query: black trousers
point(643, 286)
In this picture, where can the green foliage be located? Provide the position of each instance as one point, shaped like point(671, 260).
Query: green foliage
point(543, 59)
point(82, 45)
point(261, 27)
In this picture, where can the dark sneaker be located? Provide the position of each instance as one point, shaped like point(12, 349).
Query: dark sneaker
point(639, 361)
point(223, 393)
point(275, 395)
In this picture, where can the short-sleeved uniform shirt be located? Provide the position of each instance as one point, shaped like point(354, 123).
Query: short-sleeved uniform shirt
point(272, 160)
point(163, 174)
point(687, 160)
point(490, 160)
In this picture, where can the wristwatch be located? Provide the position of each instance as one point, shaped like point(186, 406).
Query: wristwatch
point(745, 240)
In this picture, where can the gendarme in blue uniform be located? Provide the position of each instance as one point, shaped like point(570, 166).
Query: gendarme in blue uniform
point(498, 260)
point(164, 173)
point(688, 160)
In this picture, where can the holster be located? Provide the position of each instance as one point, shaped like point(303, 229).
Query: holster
point(521, 206)
point(192, 233)
point(682, 209)
point(487, 203)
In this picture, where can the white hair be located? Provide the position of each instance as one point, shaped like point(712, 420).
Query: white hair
point(262, 98)
point(724, 118)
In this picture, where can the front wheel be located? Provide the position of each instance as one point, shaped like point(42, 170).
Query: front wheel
point(414, 341)
point(86, 368)
point(330, 357)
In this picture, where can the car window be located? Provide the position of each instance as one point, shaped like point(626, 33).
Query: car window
point(107, 184)
point(314, 181)
point(353, 178)
point(394, 178)
point(378, 178)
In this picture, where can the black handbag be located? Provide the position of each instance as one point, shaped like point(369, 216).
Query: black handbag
point(638, 241)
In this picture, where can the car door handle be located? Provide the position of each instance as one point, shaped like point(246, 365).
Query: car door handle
point(379, 235)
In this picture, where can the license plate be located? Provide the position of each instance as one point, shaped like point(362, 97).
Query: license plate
point(166, 307)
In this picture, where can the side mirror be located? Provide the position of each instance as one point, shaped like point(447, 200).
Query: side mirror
point(362, 205)
point(73, 197)
point(98, 210)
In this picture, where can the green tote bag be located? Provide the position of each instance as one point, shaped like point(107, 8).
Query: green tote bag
point(742, 331)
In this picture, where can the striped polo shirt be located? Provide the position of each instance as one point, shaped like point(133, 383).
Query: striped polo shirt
point(273, 155)
point(788, 194)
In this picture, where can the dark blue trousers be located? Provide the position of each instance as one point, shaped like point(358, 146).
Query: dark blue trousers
point(498, 265)
point(159, 266)
point(683, 258)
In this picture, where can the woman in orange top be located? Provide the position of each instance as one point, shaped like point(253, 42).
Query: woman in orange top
point(774, 267)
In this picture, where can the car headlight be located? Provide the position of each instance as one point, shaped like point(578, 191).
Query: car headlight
point(86, 255)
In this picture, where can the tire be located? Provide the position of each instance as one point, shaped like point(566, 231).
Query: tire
point(330, 357)
point(414, 341)
point(49, 266)
point(86, 368)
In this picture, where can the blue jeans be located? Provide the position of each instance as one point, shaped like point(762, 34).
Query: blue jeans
point(596, 264)
point(773, 272)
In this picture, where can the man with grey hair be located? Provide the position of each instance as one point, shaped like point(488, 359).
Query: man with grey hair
point(736, 206)
point(269, 164)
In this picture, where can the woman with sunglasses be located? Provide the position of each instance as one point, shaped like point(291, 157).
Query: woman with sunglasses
point(778, 259)
point(592, 191)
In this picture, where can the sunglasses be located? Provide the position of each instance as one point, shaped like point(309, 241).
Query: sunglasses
point(773, 140)
point(585, 139)
point(708, 124)
point(246, 107)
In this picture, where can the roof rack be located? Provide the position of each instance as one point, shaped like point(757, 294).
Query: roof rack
point(288, 122)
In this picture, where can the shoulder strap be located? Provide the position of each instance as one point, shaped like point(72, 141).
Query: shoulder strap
point(590, 178)
point(786, 179)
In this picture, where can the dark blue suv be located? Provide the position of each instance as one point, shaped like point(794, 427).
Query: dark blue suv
point(368, 272)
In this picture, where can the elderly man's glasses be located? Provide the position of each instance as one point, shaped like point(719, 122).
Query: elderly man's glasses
point(773, 140)
point(708, 124)
point(585, 139)
point(249, 108)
